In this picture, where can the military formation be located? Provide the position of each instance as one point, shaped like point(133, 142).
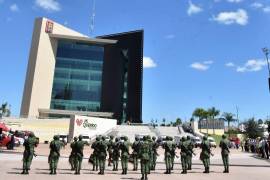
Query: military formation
point(144, 151)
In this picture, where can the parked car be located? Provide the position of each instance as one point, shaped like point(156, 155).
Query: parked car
point(86, 138)
point(6, 141)
point(212, 142)
point(197, 141)
point(63, 138)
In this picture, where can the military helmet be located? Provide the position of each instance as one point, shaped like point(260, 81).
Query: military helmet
point(98, 138)
point(116, 139)
point(125, 138)
point(188, 138)
point(223, 136)
point(75, 138)
point(103, 138)
point(111, 137)
point(80, 137)
point(55, 137)
point(154, 138)
point(167, 138)
point(183, 138)
point(145, 138)
point(137, 138)
point(31, 134)
point(205, 138)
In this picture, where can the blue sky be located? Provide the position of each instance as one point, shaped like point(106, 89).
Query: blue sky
point(198, 53)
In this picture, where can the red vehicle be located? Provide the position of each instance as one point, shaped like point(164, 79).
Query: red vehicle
point(6, 141)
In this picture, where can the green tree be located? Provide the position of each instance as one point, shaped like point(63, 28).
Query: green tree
point(178, 122)
point(228, 117)
point(213, 112)
point(252, 129)
point(201, 114)
point(4, 110)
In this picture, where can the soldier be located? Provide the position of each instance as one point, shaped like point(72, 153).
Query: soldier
point(116, 154)
point(135, 147)
point(173, 154)
point(71, 158)
point(54, 155)
point(155, 154)
point(168, 149)
point(29, 146)
point(145, 158)
point(189, 153)
point(124, 147)
point(110, 151)
point(151, 153)
point(224, 145)
point(95, 154)
point(79, 146)
point(102, 147)
point(184, 151)
point(205, 154)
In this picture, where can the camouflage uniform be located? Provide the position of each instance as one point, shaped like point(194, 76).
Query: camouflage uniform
point(54, 155)
point(102, 147)
point(145, 158)
point(168, 149)
point(29, 145)
point(184, 152)
point(115, 154)
point(135, 147)
point(155, 154)
point(71, 158)
point(205, 154)
point(151, 153)
point(124, 147)
point(94, 156)
point(79, 146)
point(110, 151)
point(224, 145)
point(173, 152)
point(189, 153)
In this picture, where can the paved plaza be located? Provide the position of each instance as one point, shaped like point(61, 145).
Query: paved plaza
point(244, 166)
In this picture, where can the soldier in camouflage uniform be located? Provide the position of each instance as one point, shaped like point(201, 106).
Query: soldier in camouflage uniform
point(189, 153)
point(184, 152)
point(151, 153)
point(168, 149)
point(205, 154)
point(224, 145)
point(95, 154)
point(173, 153)
point(79, 146)
point(116, 154)
point(29, 146)
point(124, 147)
point(135, 153)
point(110, 151)
point(54, 155)
point(155, 154)
point(102, 147)
point(71, 158)
point(145, 158)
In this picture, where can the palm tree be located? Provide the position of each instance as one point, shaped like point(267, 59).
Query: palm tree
point(4, 110)
point(201, 114)
point(229, 118)
point(213, 112)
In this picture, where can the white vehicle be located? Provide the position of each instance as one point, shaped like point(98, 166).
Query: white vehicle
point(63, 138)
point(197, 141)
point(86, 138)
point(212, 142)
point(19, 140)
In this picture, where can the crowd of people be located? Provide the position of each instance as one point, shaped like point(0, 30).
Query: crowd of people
point(144, 151)
point(259, 145)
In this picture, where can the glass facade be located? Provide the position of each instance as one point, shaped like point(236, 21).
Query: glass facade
point(77, 77)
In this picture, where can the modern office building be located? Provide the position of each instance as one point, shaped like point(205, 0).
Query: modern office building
point(69, 73)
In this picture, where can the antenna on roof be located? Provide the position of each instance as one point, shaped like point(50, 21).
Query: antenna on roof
point(92, 25)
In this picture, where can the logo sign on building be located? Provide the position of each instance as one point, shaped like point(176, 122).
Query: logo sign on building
point(89, 126)
point(49, 27)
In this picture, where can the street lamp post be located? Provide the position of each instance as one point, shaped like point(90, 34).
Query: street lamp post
point(266, 52)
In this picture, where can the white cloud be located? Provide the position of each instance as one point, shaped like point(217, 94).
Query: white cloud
point(193, 9)
point(148, 62)
point(14, 8)
point(266, 9)
point(170, 36)
point(199, 66)
point(208, 62)
point(252, 65)
point(234, 1)
point(48, 5)
point(257, 5)
point(233, 17)
point(230, 64)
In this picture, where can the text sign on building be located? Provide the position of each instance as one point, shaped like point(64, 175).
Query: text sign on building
point(90, 126)
point(49, 27)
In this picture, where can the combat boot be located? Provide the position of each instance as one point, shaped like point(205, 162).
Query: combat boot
point(126, 171)
point(146, 178)
point(142, 178)
point(23, 172)
point(26, 171)
point(123, 172)
point(54, 171)
point(51, 171)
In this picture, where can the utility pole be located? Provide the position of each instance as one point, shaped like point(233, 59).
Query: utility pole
point(237, 110)
point(266, 53)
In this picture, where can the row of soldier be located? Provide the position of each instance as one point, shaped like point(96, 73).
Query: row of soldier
point(145, 150)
